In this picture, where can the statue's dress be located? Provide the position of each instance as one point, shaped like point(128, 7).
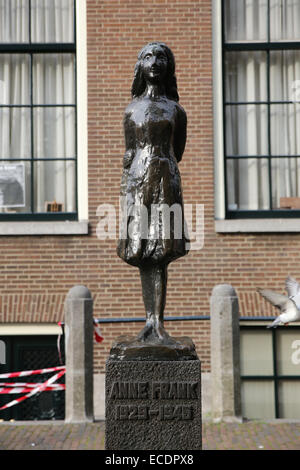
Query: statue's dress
point(151, 179)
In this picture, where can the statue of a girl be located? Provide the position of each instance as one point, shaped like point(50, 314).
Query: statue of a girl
point(155, 136)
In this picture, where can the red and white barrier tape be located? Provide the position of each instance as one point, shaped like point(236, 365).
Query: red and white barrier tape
point(36, 390)
point(25, 373)
point(25, 384)
point(17, 390)
point(98, 336)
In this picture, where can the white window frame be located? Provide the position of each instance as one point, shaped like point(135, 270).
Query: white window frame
point(223, 225)
point(33, 329)
point(68, 227)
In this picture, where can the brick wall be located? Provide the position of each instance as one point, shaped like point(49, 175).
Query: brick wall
point(41, 270)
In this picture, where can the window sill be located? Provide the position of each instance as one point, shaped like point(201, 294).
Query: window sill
point(45, 228)
point(257, 225)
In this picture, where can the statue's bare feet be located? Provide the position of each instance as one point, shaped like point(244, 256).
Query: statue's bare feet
point(154, 331)
point(161, 332)
point(146, 333)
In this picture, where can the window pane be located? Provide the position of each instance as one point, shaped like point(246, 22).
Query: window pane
point(288, 398)
point(54, 132)
point(246, 130)
point(14, 186)
point(285, 125)
point(14, 79)
point(248, 184)
point(285, 75)
point(288, 352)
point(15, 133)
point(258, 399)
point(285, 181)
point(256, 352)
point(246, 20)
point(14, 21)
point(52, 21)
point(246, 76)
point(53, 79)
point(55, 181)
point(284, 20)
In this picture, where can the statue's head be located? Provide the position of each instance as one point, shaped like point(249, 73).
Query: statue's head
point(163, 70)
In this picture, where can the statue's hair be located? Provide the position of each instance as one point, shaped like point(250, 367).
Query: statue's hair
point(139, 83)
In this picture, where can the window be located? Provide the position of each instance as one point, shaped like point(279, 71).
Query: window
point(261, 108)
point(38, 144)
point(270, 375)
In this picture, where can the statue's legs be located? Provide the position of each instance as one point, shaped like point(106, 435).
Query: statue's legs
point(154, 287)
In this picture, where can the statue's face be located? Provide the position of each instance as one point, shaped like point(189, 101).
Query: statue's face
point(154, 63)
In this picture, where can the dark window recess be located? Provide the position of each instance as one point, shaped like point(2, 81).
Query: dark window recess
point(30, 353)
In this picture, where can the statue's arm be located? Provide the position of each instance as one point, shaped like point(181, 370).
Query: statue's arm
point(180, 133)
point(130, 145)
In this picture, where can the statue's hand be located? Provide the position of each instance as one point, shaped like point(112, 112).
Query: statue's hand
point(128, 157)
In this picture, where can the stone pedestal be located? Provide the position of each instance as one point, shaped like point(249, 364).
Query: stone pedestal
point(225, 355)
point(153, 405)
point(79, 355)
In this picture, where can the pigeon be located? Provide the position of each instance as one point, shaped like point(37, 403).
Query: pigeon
point(290, 311)
point(293, 290)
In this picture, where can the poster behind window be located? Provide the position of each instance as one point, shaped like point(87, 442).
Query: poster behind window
point(12, 185)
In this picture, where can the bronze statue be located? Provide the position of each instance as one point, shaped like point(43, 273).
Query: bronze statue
point(155, 136)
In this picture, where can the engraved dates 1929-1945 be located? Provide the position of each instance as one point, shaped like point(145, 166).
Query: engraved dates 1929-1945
point(163, 412)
